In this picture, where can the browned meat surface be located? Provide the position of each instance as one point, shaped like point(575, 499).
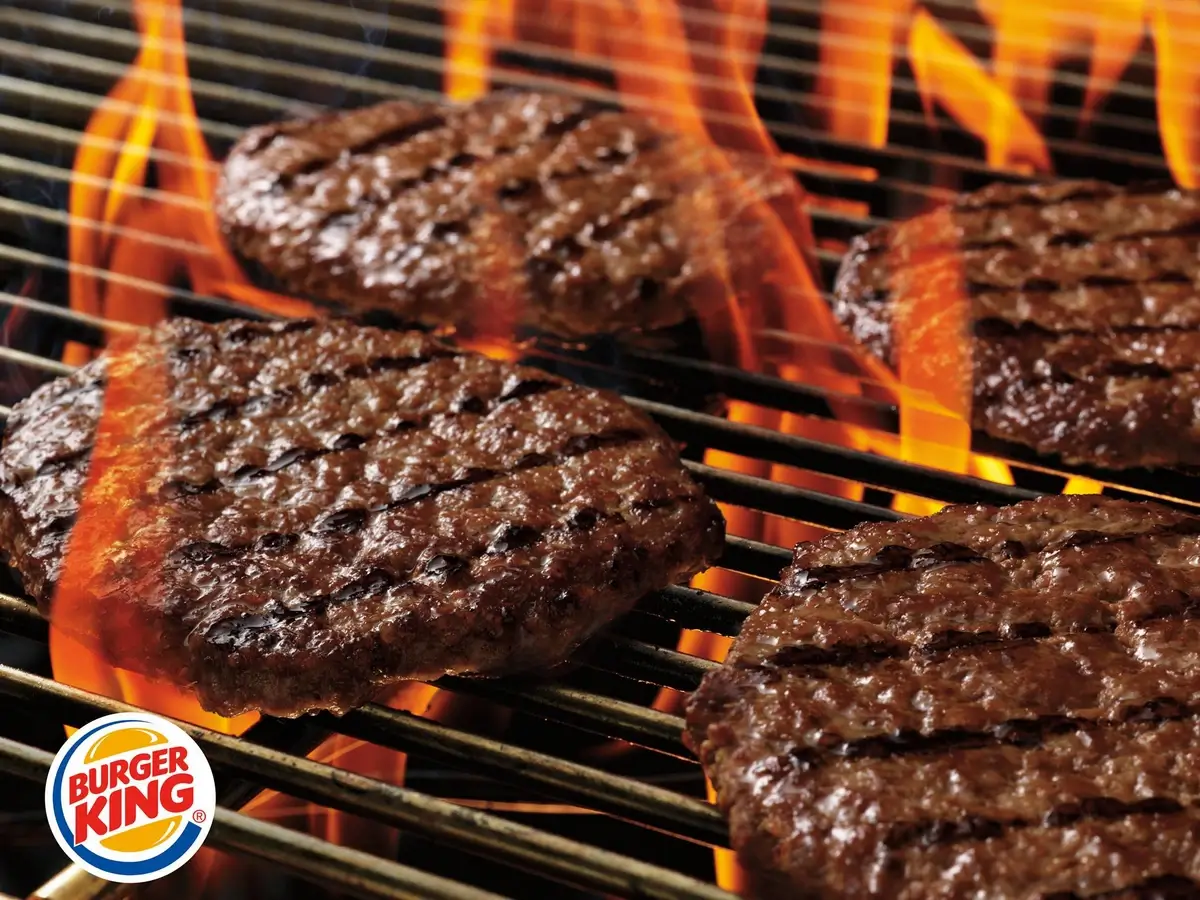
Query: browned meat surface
point(542, 210)
point(985, 703)
point(1085, 309)
point(342, 507)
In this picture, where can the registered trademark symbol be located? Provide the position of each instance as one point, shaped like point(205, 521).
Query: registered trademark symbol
point(198, 816)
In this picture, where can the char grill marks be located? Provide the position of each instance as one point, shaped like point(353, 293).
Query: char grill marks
point(579, 213)
point(966, 702)
point(1086, 322)
point(345, 506)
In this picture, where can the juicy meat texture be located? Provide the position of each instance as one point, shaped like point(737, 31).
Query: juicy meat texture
point(985, 703)
point(1083, 304)
point(342, 507)
point(538, 210)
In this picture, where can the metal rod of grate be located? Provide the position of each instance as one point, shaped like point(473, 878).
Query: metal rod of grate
point(870, 469)
point(546, 775)
point(104, 49)
point(474, 831)
point(339, 868)
point(718, 433)
point(314, 27)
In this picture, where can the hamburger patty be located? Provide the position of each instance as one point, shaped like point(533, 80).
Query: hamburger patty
point(586, 218)
point(985, 703)
point(1084, 308)
point(339, 507)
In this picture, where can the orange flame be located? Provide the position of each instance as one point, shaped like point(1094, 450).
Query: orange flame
point(651, 47)
point(149, 118)
point(854, 82)
point(1031, 39)
point(948, 74)
point(125, 245)
point(689, 64)
point(127, 452)
point(1176, 29)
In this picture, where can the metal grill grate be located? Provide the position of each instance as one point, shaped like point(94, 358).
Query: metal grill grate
point(58, 65)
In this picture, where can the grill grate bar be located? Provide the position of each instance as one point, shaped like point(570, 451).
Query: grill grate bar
point(730, 487)
point(969, 31)
point(33, 361)
point(337, 867)
point(323, 15)
point(554, 778)
point(21, 617)
point(49, 96)
point(477, 832)
point(17, 210)
point(111, 70)
point(252, 33)
point(853, 465)
point(92, 325)
point(755, 557)
point(700, 610)
point(650, 663)
point(580, 709)
point(804, 142)
point(787, 500)
point(773, 392)
point(73, 883)
point(587, 711)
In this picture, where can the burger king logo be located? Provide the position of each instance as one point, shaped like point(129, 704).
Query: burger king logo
point(130, 797)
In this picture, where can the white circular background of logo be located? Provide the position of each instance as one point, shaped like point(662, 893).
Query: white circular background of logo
point(146, 865)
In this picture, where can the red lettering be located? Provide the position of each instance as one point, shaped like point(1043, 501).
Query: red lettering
point(178, 759)
point(115, 821)
point(76, 788)
point(119, 773)
point(141, 766)
point(160, 762)
point(143, 801)
point(98, 779)
point(87, 819)
point(177, 793)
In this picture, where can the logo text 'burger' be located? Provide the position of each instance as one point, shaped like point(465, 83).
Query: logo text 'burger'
point(130, 797)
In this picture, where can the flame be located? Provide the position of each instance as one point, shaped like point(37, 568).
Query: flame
point(1032, 39)
point(854, 82)
point(1176, 29)
point(948, 74)
point(932, 327)
point(690, 65)
point(125, 456)
point(125, 243)
point(149, 119)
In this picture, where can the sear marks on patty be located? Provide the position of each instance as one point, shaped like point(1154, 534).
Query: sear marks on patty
point(590, 220)
point(1085, 311)
point(985, 703)
point(341, 507)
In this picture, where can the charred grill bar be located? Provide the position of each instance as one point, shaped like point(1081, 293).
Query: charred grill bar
point(60, 61)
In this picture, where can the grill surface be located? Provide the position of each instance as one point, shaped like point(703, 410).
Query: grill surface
point(59, 65)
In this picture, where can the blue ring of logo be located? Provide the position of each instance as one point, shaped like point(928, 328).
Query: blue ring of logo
point(181, 846)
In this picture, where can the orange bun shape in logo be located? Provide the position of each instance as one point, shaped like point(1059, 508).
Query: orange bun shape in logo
point(130, 797)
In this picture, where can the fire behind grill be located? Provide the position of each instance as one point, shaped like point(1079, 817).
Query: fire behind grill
point(653, 839)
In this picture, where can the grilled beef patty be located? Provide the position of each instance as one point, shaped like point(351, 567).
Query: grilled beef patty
point(1084, 304)
point(545, 210)
point(340, 507)
point(984, 703)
